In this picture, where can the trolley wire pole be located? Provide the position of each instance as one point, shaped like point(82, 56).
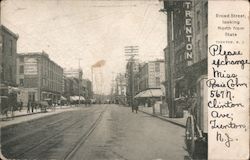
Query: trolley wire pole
point(131, 52)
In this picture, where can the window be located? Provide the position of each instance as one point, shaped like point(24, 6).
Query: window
point(198, 21)
point(21, 59)
point(157, 67)
point(21, 82)
point(21, 69)
point(199, 49)
point(206, 43)
point(157, 81)
point(206, 14)
point(3, 45)
point(10, 73)
point(2, 72)
point(11, 47)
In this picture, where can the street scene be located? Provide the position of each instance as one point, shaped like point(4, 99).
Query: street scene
point(103, 79)
point(97, 132)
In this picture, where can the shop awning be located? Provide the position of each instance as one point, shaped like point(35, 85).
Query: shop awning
point(150, 93)
point(76, 98)
point(63, 98)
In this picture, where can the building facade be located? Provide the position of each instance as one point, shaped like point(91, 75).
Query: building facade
point(74, 84)
point(186, 51)
point(8, 56)
point(120, 89)
point(151, 75)
point(87, 88)
point(39, 77)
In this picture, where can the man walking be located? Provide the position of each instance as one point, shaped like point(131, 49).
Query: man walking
point(28, 107)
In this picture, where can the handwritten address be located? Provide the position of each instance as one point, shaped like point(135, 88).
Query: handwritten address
point(224, 85)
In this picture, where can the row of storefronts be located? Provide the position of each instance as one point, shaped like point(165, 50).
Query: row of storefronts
point(34, 77)
point(185, 59)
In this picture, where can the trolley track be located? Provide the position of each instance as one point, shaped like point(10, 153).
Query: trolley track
point(84, 137)
point(34, 131)
point(8, 136)
point(23, 153)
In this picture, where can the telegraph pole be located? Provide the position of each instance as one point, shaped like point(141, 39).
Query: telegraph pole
point(131, 52)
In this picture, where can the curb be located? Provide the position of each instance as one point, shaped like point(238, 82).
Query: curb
point(28, 114)
point(21, 115)
point(162, 118)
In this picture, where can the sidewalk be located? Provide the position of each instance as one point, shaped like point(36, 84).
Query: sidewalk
point(177, 121)
point(23, 116)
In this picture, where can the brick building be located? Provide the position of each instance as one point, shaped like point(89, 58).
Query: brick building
point(39, 77)
point(151, 75)
point(150, 80)
point(8, 57)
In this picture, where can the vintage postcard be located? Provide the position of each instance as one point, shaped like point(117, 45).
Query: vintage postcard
point(124, 79)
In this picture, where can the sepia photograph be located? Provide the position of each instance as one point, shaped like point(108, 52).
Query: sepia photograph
point(104, 79)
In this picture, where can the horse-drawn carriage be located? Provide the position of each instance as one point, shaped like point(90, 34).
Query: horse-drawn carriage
point(8, 100)
point(196, 134)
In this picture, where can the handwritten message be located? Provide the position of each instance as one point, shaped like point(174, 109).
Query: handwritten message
point(228, 82)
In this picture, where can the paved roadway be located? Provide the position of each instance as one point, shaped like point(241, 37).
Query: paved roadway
point(96, 132)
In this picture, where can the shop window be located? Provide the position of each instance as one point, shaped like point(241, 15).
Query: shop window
point(21, 82)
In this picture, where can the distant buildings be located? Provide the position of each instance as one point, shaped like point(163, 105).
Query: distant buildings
point(120, 89)
point(75, 85)
point(39, 77)
point(73, 73)
point(149, 82)
point(151, 75)
point(144, 78)
point(87, 88)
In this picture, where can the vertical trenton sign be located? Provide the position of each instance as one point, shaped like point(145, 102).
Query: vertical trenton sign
point(187, 6)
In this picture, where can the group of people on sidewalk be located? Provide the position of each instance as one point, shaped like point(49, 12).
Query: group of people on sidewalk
point(31, 106)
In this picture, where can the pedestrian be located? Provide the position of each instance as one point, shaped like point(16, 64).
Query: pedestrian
point(32, 106)
point(136, 104)
point(132, 106)
point(28, 107)
point(20, 106)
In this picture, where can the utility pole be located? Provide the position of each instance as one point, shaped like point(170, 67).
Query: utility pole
point(131, 52)
point(79, 79)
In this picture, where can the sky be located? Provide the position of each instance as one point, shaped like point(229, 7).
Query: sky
point(89, 30)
